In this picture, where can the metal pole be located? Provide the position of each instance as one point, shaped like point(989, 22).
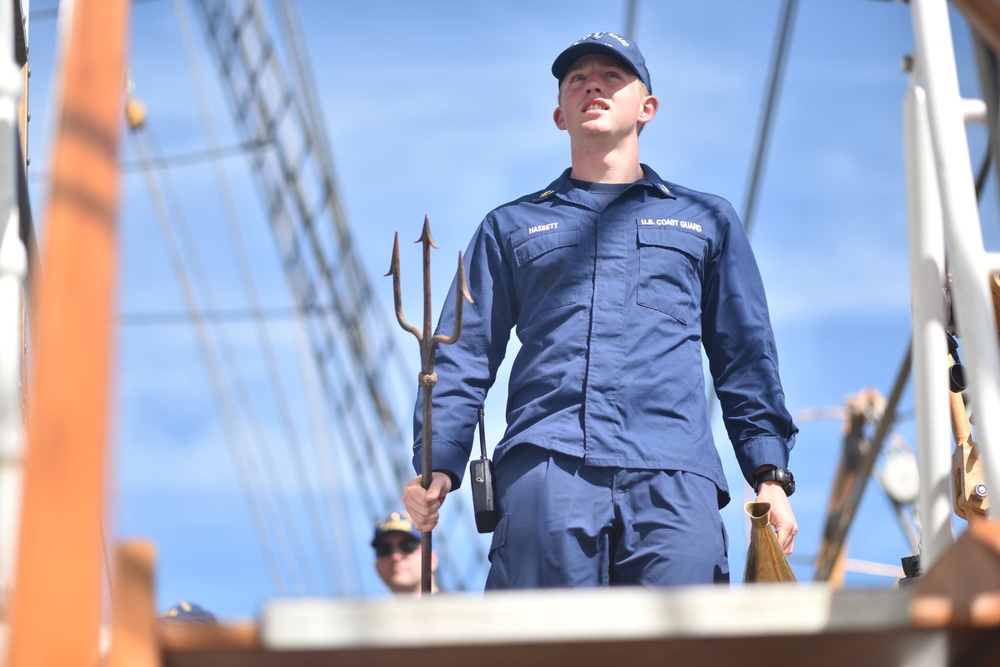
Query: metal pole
point(986, 62)
point(930, 348)
point(968, 261)
point(427, 381)
point(13, 270)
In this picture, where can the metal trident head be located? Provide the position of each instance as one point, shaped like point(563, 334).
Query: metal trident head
point(428, 378)
point(427, 343)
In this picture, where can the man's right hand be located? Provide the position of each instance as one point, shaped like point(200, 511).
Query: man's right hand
point(424, 505)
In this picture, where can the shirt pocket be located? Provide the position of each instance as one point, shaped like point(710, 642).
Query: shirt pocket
point(546, 266)
point(668, 272)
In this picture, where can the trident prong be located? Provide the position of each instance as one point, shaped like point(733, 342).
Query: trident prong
point(428, 347)
point(461, 293)
point(397, 290)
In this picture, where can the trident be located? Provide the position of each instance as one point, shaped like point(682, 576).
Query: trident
point(427, 377)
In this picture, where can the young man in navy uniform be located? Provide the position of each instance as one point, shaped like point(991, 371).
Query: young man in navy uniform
point(614, 279)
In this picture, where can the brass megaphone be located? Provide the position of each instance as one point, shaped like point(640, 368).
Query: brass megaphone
point(766, 562)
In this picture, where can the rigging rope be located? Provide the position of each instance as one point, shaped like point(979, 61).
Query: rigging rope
point(770, 105)
point(313, 506)
point(226, 411)
point(778, 59)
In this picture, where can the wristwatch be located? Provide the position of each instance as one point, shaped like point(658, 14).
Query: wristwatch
point(779, 475)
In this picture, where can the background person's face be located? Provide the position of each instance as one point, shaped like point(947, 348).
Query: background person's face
point(398, 570)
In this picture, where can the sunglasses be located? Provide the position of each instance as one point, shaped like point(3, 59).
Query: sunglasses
point(384, 549)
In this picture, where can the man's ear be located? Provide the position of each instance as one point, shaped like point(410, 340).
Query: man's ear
point(649, 108)
point(557, 116)
point(434, 561)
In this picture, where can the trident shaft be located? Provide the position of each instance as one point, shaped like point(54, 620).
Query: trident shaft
point(428, 347)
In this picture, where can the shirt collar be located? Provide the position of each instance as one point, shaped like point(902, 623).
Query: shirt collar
point(655, 183)
point(564, 189)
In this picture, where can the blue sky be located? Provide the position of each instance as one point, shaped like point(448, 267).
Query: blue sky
point(444, 109)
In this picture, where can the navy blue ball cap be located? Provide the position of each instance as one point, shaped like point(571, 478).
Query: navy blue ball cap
point(396, 521)
point(610, 44)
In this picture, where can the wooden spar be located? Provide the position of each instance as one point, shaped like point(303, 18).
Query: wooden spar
point(844, 491)
point(133, 624)
point(57, 599)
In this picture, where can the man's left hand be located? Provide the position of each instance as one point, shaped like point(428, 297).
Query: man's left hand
point(782, 517)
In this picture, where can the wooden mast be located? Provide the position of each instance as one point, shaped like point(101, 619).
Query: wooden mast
point(57, 599)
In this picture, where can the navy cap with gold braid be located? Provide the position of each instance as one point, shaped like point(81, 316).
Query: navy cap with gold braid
point(609, 44)
point(396, 521)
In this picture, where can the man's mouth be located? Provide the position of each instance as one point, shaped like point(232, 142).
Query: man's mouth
point(596, 106)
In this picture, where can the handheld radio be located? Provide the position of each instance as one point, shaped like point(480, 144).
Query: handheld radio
point(481, 475)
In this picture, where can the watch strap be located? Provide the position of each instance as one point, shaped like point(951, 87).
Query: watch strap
point(779, 475)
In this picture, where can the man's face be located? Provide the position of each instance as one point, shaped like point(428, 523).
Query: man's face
point(397, 561)
point(599, 95)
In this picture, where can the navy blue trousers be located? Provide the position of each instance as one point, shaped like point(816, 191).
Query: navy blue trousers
point(566, 524)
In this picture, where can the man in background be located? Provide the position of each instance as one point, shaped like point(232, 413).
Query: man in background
point(398, 553)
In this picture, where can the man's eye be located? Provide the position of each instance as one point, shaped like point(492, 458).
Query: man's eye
point(576, 77)
point(615, 75)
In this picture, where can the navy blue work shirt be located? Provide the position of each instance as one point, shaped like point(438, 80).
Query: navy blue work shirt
point(612, 308)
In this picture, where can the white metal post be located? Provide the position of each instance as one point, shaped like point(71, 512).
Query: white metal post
point(13, 269)
point(929, 348)
point(968, 261)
